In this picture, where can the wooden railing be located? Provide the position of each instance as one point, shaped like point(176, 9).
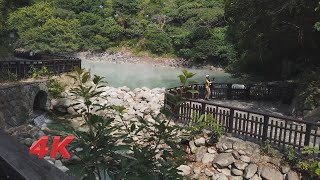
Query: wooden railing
point(55, 64)
point(281, 131)
point(283, 92)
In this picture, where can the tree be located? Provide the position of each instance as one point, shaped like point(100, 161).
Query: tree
point(277, 38)
point(55, 35)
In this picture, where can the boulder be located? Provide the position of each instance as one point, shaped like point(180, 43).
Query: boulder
point(245, 159)
point(269, 173)
point(212, 150)
point(209, 172)
point(236, 155)
point(200, 153)
point(250, 170)
point(241, 152)
point(292, 176)
point(184, 170)
point(197, 170)
point(255, 177)
point(236, 178)
point(226, 171)
point(236, 172)
point(285, 169)
point(193, 147)
point(200, 142)
point(240, 165)
point(223, 160)
point(207, 158)
point(219, 176)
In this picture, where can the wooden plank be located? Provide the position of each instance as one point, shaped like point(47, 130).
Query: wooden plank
point(28, 166)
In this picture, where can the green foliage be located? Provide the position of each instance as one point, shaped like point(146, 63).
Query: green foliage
point(200, 123)
point(6, 76)
point(55, 88)
point(268, 150)
point(164, 27)
point(108, 146)
point(290, 154)
point(157, 42)
point(270, 36)
point(38, 72)
point(310, 164)
point(309, 88)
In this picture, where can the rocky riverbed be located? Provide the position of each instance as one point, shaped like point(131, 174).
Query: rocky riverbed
point(124, 57)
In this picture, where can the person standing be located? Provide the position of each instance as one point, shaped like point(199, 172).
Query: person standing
point(208, 88)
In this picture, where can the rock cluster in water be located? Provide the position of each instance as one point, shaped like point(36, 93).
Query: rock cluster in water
point(138, 102)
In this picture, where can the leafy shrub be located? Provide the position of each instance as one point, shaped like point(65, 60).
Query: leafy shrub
point(6, 76)
point(37, 73)
point(55, 88)
point(310, 164)
point(290, 154)
point(309, 88)
point(268, 150)
point(197, 125)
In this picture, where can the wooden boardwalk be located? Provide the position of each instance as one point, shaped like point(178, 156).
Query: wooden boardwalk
point(256, 126)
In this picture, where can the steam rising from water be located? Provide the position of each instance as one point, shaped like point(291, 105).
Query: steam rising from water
point(144, 75)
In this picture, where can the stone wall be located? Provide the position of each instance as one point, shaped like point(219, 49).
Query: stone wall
point(18, 100)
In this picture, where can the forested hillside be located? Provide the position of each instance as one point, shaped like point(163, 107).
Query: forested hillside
point(276, 39)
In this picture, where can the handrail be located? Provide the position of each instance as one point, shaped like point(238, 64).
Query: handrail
point(56, 64)
point(257, 112)
point(280, 130)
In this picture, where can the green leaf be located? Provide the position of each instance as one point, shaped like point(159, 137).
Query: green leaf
point(190, 75)
point(85, 77)
point(185, 72)
point(182, 79)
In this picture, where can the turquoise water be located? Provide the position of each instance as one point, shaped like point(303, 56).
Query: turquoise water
point(143, 75)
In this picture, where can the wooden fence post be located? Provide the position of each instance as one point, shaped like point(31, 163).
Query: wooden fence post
point(248, 89)
point(230, 128)
point(229, 91)
point(265, 128)
point(203, 108)
point(308, 135)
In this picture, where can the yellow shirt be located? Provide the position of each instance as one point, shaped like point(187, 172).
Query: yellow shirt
point(207, 83)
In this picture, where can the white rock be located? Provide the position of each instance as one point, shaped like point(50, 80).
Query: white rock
point(250, 170)
point(197, 170)
point(209, 172)
point(207, 158)
point(219, 176)
point(245, 159)
point(200, 142)
point(184, 170)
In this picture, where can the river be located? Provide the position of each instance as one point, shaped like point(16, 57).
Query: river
point(145, 75)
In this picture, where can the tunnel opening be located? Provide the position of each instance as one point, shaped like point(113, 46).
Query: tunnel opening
point(40, 101)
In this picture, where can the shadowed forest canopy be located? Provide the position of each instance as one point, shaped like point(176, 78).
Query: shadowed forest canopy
point(274, 39)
